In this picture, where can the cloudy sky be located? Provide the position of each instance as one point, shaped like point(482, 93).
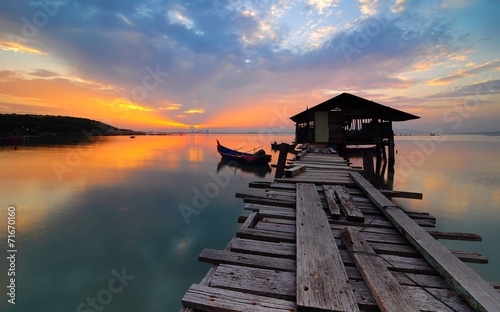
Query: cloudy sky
point(239, 64)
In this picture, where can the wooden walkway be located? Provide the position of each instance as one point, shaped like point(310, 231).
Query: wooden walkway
point(324, 239)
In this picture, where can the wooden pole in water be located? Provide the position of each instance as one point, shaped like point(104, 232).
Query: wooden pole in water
point(392, 156)
point(280, 166)
point(368, 165)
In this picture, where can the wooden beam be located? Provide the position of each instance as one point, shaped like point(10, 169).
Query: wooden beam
point(390, 296)
point(322, 281)
point(402, 194)
point(281, 160)
point(473, 289)
point(295, 171)
point(300, 154)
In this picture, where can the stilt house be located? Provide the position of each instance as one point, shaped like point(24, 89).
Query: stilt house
point(349, 120)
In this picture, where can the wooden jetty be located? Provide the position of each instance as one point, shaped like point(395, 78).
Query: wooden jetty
point(324, 239)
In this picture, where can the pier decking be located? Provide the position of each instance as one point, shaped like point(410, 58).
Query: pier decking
point(324, 239)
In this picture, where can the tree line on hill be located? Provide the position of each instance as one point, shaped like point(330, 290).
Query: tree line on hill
point(16, 124)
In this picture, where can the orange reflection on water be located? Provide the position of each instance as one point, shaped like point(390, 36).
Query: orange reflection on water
point(196, 154)
point(37, 180)
point(457, 175)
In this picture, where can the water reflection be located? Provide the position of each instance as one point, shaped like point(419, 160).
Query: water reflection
point(116, 204)
point(259, 170)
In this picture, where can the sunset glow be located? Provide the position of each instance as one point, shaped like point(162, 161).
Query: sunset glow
point(172, 65)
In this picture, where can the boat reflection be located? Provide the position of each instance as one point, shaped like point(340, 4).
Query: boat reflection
point(260, 170)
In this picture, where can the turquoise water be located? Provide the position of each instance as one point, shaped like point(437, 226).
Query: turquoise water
point(117, 224)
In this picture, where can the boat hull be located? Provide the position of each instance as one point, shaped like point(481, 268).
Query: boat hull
point(230, 154)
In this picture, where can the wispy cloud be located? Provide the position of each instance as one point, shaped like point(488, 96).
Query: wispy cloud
point(472, 72)
point(19, 48)
point(221, 56)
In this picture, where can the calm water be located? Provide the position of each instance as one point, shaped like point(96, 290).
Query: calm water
point(101, 221)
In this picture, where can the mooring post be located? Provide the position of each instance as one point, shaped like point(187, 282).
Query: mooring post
point(392, 156)
point(368, 165)
point(280, 167)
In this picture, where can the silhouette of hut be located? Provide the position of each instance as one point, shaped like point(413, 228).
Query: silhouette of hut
point(347, 120)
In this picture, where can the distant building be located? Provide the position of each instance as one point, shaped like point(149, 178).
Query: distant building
point(349, 120)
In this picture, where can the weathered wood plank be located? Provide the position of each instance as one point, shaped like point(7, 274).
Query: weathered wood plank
point(252, 219)
point(278, 284)
point(322, 281)
point(252, 199)
point(386, 290)
point(402, 194)
point(401, 263)
point(281, 285)
point(263, 248)
point(331, 201)
point(299, 179)
point(259, 184)
point(469, 256)
point(225, 257)
point(455, 236)
point(270, 236)
point(347, 203)
point(476, 291)
point(216, 299)
point(296, 170)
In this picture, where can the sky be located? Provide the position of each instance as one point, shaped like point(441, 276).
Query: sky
point(239, 65)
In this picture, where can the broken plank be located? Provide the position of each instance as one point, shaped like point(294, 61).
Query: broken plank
point(347, 203)
point(331, 200)
point(386, 290)
point(322, 281)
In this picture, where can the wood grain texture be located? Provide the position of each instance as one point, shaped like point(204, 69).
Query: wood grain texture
point(216, 299)
point(473, 289)
point(386, 290)
point(334, 209)
point(322, 281)
point(347, 203)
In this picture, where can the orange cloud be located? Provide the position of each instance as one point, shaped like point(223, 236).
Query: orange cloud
point(195, 111)
point(27, 94)
point(19, 48)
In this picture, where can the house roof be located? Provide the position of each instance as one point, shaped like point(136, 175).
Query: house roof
point(356, 106)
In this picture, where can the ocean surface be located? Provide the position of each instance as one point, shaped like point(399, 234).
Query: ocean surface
point(117, 224)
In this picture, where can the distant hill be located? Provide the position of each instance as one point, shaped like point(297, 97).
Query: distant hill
point(15, 124)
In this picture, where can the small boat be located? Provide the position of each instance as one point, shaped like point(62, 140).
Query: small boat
point(9, 140)
point(132, 136)
point(259, 157)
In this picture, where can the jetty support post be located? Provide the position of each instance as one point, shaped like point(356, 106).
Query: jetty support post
point(392, 155)
point(280, 167)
